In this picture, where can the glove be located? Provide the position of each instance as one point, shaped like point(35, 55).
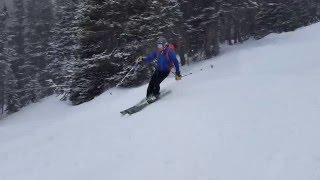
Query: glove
point(140, 58)
point(178, 76)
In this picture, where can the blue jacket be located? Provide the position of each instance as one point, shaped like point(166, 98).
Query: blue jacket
point(163, 63)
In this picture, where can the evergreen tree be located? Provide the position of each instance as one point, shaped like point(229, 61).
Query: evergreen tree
point(8, 96)
point(3, 60)
point(17, 58)
point(3, 33)
point(285, 15)
point(85, 47)
point(113, 34)
point(63, 46)
point(212, 22)
point(39, 24)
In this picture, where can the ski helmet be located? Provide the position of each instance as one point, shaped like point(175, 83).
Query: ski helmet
point(162, 41)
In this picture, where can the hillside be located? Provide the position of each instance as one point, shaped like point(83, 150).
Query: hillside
point(254, 116)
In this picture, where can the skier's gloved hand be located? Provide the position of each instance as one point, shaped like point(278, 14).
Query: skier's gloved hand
point(178, 76)
point(140, 58)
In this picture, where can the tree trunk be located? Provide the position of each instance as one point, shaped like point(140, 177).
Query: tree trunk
point(208, 42)
point(2, 97)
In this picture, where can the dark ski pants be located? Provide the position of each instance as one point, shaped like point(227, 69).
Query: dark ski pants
point(156, 79)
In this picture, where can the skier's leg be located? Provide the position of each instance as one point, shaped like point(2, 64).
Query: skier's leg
point(161, 76)
point(152, 83)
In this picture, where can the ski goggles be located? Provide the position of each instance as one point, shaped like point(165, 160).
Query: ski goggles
point(160, 46)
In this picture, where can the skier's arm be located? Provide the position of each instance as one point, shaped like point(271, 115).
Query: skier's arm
point(174, 59)
point(151, 57)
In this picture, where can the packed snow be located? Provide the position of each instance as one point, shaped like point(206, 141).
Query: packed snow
point(254, 116)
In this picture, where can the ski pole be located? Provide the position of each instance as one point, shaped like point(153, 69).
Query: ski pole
point(181, 75)
point(186, 75)
point(125, 77)
point(202, 69)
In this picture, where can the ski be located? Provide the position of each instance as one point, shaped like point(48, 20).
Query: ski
point(144, 103)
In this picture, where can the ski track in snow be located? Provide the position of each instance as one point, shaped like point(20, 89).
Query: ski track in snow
point(254, 116)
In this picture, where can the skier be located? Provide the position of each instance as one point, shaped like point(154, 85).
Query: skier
point(166, 59)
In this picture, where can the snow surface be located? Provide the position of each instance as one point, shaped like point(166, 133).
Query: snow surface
point(254, 116)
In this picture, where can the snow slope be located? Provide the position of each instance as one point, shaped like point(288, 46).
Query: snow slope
point(254, 116)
